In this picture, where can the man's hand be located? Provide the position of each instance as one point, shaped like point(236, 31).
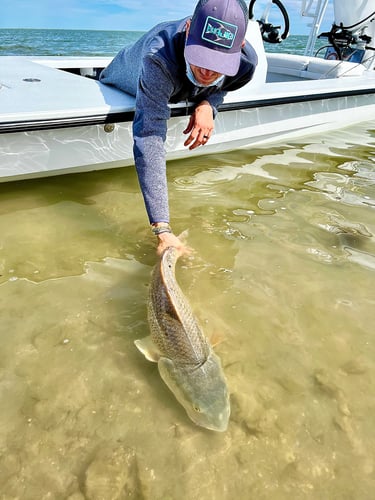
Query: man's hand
point(166, 240)
point(201, 126)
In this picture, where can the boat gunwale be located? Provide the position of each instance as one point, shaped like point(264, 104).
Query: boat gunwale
point(176, 111)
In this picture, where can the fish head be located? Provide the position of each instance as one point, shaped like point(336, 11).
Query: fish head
point(201, 390)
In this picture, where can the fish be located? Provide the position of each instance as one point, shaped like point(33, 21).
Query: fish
point(185, 358)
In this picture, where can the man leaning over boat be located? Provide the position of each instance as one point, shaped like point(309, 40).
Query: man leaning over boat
point(197, 59)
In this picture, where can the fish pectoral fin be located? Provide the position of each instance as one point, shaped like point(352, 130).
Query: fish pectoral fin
point(184, 236)
point(216, 338)
point(148, 349)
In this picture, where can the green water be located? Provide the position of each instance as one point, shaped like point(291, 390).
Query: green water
point(283, 272)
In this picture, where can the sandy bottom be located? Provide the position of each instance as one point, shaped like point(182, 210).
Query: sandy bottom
point(283, 271)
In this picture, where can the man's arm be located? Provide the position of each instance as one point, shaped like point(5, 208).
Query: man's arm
point(149, 134)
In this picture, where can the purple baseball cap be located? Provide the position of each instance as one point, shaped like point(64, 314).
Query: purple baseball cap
point(216, 33)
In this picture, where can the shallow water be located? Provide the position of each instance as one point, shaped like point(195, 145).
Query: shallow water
point(283, 271)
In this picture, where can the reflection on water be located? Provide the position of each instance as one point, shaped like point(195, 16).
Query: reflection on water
point(283, 270)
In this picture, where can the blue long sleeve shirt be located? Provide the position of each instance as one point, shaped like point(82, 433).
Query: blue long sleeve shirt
point(154, 70)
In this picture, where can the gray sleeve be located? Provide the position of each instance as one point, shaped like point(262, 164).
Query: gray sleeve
point(155, 87)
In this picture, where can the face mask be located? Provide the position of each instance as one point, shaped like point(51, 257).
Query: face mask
point(191, 77)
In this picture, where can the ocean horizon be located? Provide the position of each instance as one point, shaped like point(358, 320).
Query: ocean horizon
point(73, 42)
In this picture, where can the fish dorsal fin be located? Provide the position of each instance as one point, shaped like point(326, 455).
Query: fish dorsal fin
point(167, 273)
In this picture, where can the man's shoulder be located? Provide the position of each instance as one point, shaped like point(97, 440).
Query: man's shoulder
point(165, 47)
point(249, 61)
point(249, 54)
point(167, 29)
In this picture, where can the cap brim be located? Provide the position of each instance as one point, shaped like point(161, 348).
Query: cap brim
point(214, 60)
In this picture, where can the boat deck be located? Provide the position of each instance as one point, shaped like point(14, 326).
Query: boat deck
point(32, 88)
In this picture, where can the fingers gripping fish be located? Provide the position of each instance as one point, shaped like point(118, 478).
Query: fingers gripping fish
point(186, 360)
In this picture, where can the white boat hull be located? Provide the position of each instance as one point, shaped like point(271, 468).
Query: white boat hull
point(39, 153)
point(54, 122)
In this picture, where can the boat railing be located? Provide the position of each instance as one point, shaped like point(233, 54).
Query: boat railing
point(315, 9)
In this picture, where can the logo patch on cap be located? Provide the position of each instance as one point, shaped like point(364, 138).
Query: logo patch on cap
point(219, 32)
